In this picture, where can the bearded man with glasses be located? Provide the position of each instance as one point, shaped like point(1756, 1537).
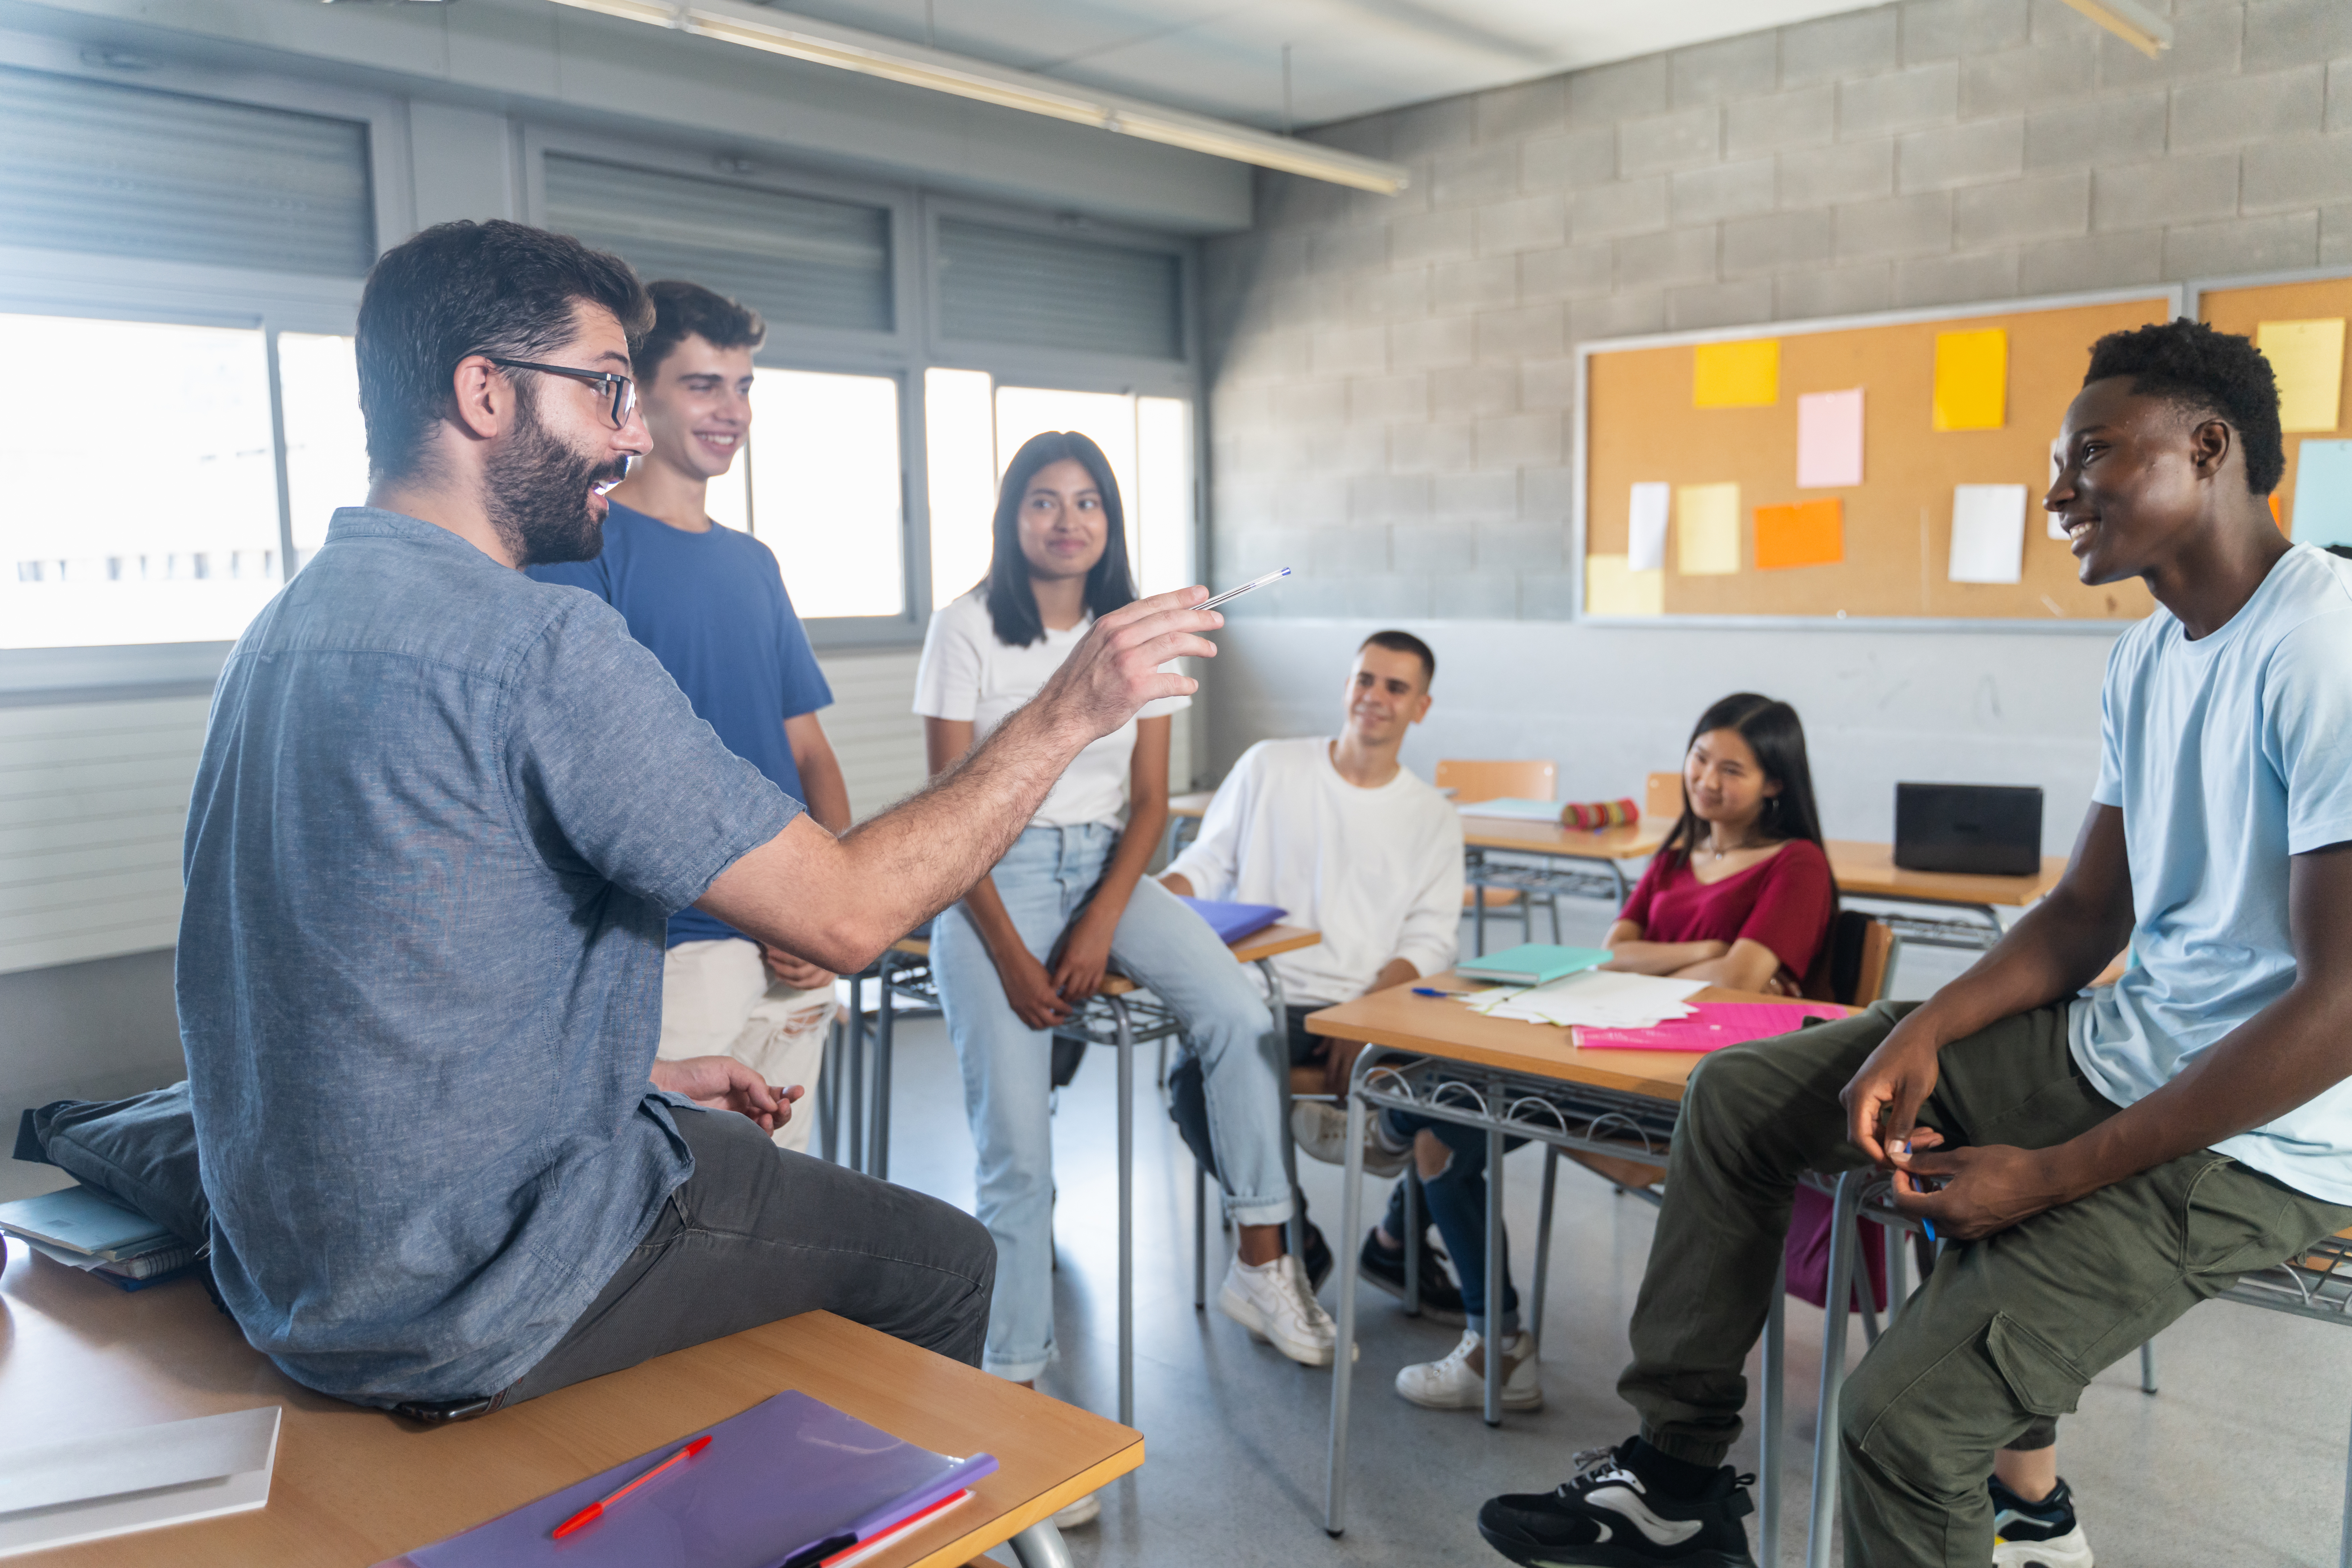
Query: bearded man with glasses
point(442, 814)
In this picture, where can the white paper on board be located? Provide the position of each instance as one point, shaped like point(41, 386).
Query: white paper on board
point(84, 1489)
point(1988, 534)
point(1647, 549)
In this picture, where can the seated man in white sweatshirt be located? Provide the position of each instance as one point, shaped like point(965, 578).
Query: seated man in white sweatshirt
point(1338, 834)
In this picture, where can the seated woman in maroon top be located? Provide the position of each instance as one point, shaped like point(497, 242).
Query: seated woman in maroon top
point(1739, 893)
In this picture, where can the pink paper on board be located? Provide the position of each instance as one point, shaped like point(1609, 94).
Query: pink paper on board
point(1711, 1026)
point(1829, 439)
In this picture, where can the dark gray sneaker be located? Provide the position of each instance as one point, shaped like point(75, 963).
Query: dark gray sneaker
point(1607, 1518)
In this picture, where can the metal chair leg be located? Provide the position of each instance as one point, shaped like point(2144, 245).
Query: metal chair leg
point(1351, 1211)
point(2344, 1548)
point(1125, 1212)
point(1495, 1261)
point(1415, 1222)
point(1825, 1427)
point(1041, 1546)
point(877, 1142)
point(828, 1091)
point(2147, 1367)
point(1769, 1459)
point(1533, 1322)
point(856, 1085)
point(1199, 1236)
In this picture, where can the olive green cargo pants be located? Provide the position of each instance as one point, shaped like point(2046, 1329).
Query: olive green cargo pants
point(2005, 1332)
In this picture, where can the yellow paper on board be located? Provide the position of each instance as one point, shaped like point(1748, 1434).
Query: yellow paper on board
point(1610, 588)
point(1706, 530)
point(1744, 374)
point(1972, 380)
point(2307, 357)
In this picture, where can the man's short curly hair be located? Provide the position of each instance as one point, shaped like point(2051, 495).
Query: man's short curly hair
point(2188, 364)
point(683, 310)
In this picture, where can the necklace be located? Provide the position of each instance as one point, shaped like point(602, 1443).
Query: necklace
point(1717, 852)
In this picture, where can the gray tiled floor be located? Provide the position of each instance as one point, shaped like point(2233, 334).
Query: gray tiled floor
point(2239, 1460)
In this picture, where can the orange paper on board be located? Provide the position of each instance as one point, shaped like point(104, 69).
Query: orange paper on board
point(1808, 533)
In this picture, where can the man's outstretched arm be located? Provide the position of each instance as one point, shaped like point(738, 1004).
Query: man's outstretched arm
point(2058, 947)
point(2282, 1057)
point(838, 902)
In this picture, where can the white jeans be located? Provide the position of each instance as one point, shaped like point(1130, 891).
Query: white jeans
point(718, 1000)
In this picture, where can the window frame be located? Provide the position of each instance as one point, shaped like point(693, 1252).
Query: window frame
point(100, 287)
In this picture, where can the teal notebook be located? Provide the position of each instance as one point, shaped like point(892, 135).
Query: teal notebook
point(1534, 964)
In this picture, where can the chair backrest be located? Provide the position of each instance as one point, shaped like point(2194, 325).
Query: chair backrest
point(1661, 798)
point(1477, 781)
point(1860, 953)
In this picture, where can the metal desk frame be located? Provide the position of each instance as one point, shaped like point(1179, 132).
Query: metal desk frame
point(1124, 1022)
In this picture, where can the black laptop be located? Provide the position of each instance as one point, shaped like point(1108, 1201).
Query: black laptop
point(1990, 830)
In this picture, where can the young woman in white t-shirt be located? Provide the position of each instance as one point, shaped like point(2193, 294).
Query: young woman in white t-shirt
point(1031, 940)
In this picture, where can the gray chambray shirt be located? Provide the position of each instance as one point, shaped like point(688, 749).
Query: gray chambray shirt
point(442, 816)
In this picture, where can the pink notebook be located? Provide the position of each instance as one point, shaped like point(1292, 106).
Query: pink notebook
point(1711, 1026)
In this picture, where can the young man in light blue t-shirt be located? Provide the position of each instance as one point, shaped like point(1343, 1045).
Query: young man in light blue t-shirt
point(2102, 1159)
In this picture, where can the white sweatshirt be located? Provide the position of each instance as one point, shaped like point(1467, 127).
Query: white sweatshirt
point(1377, 871)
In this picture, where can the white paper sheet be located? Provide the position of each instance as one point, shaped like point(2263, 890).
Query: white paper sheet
point(83, 1489)
point(1988, 534)
point(1600, 999)
point(1652, 503)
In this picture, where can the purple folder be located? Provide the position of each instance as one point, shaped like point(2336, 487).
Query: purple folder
point(784, 1476)
point(1234, 921)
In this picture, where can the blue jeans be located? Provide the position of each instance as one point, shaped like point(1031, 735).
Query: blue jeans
point(1458, 1205)
point(1045, 881)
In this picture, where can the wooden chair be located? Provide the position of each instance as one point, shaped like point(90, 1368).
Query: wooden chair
point(1661, 798)
point(1474, 781)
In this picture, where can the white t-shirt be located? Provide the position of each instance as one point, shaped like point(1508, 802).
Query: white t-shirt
point(1377, 871)
point(2227, 756)
point(967, 673)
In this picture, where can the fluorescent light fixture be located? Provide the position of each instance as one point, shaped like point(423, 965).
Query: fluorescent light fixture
point(871, 54)
point(2133, 22)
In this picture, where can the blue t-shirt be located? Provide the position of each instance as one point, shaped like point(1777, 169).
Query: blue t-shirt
point(712, 607)
point(2227, 755)
point(441, 815)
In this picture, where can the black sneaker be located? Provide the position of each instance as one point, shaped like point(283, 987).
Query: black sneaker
point(1385, 1267)
point(2044, 1534)
point(1606, 1518)
point(1319, 1255)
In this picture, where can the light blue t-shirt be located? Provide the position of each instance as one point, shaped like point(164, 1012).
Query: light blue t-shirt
point(2227, 755)
point(442, 816)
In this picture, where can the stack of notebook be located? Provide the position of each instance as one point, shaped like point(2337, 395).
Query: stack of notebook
point(83, 1228)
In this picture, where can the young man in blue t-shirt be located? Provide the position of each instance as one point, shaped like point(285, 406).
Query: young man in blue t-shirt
point(710, 604)
point(2101, 1160)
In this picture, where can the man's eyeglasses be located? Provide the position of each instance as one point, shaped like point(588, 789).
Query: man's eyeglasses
point(622, 389)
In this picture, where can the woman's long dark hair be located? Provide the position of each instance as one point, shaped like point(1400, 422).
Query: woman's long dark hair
point(1011, 602)
point(1777, 736)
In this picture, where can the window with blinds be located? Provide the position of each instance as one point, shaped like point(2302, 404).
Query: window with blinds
point(130, 171)
point(1004, 285)
point(792, 258)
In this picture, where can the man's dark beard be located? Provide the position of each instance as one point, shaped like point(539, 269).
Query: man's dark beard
point(537, 495)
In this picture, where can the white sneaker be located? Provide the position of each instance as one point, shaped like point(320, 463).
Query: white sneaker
point(1459, 1381)
point(1273, 1302)
point(1321, 1130)
point(1086, 1510)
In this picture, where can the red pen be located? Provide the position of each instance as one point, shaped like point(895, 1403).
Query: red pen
point(595, 1510)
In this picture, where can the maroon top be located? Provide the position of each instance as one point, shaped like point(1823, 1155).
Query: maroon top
point(1784, 901)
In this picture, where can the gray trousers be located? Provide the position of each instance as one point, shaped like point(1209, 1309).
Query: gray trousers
point(2007, 1331)
point(760, 1233)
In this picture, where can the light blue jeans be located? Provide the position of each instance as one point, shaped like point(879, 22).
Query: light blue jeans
point(1045, 880)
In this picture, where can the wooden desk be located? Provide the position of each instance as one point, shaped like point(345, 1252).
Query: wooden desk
point(1868, 871)
point(1548, 1090)
point(356, 1487)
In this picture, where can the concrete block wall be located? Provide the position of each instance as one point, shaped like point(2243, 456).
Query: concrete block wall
point(1391, 380)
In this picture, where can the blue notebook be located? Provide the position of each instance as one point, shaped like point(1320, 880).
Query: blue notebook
point(1534, 964)
point(1234, 921)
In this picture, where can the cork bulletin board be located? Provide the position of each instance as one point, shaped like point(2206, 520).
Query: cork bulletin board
point(2244, 306)
point(1968, 397)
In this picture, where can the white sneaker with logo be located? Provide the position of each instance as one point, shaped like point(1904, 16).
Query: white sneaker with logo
point(1272, 1300)
point(1321, 1132)
point(1086, 1510)
point(1459, 1381)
